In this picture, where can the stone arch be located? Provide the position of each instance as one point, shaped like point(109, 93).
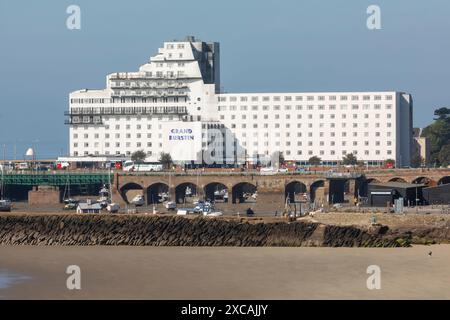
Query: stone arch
point(317, 190)
point(293, 189)
point(216, 191)
point(185, 192)
point(424, 180)
point(397, 179)
point(130, 190)
point(157, 193)
point(444, 180)
point(243, 192)
point(372, 180)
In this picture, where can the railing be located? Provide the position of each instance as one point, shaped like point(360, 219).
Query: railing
point(55, 179)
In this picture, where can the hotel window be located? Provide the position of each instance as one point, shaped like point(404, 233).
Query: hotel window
point(321, 143)
point(355, 116)
point(377, 152)
point(389, 152)
point(332, 107)
point(299, 143)
point(355, 107)
point(332, 143)
point(222, 117)
point(322, 107)
point(377, 134)
point(276, 98)
point(310, 107)
point(265, 108)
point(232, 108)
point(299, 125)
point(310, 125)
point(233, 99)
point(277, 125)
point(355, 143)
point(377, 125)
point(343, 107)
point(377, 107)
point(310, 98)
point(310, 153)
point(287, 98)
point(243, 99)
point(366, 98)
point(310, 134)
point(254, 99)
point(332, 152)
point(298, 98)
point(244, 125)
point(344, 124)
point(321, 98)
point(389, 116)
point(366, 116)
point(255, 108)
point(344, 116)
point(344, 134)
point(266, 125)
point(344, 98)
point(277, 116)
point(287, 107)
point(86, 136)
point(355, 125)
point(266, 116)
point(389, 97)
point(389, 143)
point(332, 125)
point(332, 98)
point(354, 98)
point(75, 145)
point(233, 117)
point(266, 98)
point(299, 134)
point(75, 136)
point(389, 124)
point(298, 107)
point(276, 107)
point(332, 134)
point(288, 116)
point(117, 135)
point(243, 108)
point(310, 143)
point(377, 98)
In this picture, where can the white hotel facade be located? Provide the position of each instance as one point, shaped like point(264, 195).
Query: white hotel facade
point(178, 91)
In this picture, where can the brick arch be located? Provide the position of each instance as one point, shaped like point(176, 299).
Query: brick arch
point(129, 190)
point(397, 179)
point(424, 180)
point(181, 191)
point(156, 192)
point(210, 188)
point(444, 180)
point(314, 187)
point(294, 187)
point(240, 189)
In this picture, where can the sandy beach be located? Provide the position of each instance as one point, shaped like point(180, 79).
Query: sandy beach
point(224, 273)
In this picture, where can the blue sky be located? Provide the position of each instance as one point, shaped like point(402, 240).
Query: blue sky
point(266, 45)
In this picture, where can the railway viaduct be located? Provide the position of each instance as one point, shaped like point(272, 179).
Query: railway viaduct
point(272, 190)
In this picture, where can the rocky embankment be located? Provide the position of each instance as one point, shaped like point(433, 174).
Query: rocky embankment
point(116, 230)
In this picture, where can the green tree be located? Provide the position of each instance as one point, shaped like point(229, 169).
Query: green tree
point(314, 161)
point(138, 156)
point(442, 113)
point(165, 159)
point(444, 156)
point(390, 162)
point(438, 134)
point(349, 159)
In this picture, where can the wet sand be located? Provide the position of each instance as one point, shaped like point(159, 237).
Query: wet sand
point(226, 273)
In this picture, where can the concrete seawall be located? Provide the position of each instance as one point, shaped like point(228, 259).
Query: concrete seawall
point(117, 230)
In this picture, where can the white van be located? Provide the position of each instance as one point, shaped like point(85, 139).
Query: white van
point(131, 166)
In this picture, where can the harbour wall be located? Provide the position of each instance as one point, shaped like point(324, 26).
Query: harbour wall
point(120, 230)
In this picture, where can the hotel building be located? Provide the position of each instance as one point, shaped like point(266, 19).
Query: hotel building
point(174, 104)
